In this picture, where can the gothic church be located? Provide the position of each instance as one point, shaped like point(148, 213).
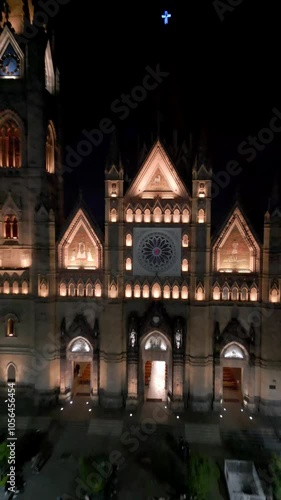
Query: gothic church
point(152, 295)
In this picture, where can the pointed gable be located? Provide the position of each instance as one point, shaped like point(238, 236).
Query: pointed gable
point(236, 249)
point(11, 56)
point(11, 206)
point(80, 246)
point(157, 177)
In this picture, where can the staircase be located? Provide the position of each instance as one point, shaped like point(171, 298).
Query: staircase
point(229, 380)
point(203, 434)
point(85, 377)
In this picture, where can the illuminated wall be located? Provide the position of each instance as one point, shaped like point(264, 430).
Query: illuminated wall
point(234, 253)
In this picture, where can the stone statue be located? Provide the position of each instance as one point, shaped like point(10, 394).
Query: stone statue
point(178, 334)
point(133, 338)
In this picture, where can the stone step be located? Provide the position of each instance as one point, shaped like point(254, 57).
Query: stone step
point(259, 438)
point(202, 433)
point(106, 427)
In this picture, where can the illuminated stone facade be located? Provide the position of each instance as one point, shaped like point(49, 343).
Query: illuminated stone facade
point(153, 284)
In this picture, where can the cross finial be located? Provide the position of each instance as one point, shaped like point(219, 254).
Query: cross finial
point(166, 17)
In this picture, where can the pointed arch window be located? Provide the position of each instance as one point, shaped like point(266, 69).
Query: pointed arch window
point(11, 230)
point(129, 215)
point(157, 215)
point(167, 292)
point(274, 295)
point(234, 293)
point(244, 293)
point(156, 291)
point(137, 291)
point(216, 293)
point(10, 144)
point(167, 215)
point(184, 292)
point(225, 293)
point(254, 294)
point(11, 373)
point(89, 290)
point(233, 351)
point(200, 293)
point(147, 215)
point(15, 287)
point(185, 215)
point(128, 291)
point(176, 216)
point(113, 215)
point(129, 240)
point(6, 287)
point(71, 290)
point(185, 241)
point(145, 291)
point(80, 290)
point(201, 216)
point(24, 287)
point(97, 290)
point(113, 291)
point(138, 215)
point(11, 327)
point(175, 292)
point(50, 149)
point(128, 264)
point(184, 266)
point(62, 289)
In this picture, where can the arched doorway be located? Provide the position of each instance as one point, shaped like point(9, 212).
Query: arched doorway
point(155, 380)
point(79, 356)
point(234, 377)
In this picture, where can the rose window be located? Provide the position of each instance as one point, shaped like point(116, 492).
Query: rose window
point(157, 252)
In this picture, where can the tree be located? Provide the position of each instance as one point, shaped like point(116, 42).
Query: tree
point(203, 475)
point(94, 472)
point(275, 469)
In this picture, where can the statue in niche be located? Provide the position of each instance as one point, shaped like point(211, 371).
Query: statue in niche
point(81, 254)
point(235, 250)
point(178, 335)
point(157, 179)
point(133, 338)
point(89, 256)
point(201, 188)
point(113, 188)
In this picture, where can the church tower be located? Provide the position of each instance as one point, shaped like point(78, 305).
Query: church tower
point(30, 201)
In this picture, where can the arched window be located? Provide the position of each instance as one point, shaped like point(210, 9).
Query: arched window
point(175, 292)
point(113, 215)
point(11, 373)
point(129, 240)
point(6, 287)
point(233, 351)
point(10, 148)
point(11, 330)
point(225, 293)
point(147, 215)
point(156, 291)
point(80, 290)
point(62, 289)
point(129, 215)
point(50, 149)
point(184, 265)
point(254, 294)
point(113, 291)
point(185, 215)
point(234, 293)
point(274, 295)
point(244, 293)
point(71, 290)
point(15, 287)
point(185, 240)
point(97, 290)
point(24, 287)
point(201, 216)
point(128, 264)
point(167, 215)
point(138, 215)
point(128, 290)
point(145, 291)
point(184, 292)
point(167, 292)
point(176, 216)
point(200, 293)
point(216, 293)
point(157, 215)
point(137, 291)
point(11, 227)
point(89, 290)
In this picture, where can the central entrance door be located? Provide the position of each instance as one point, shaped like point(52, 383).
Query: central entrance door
point(81, 378)
point(232, 384)
point(155, 381)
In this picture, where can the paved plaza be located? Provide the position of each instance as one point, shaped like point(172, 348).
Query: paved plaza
point(74, 431)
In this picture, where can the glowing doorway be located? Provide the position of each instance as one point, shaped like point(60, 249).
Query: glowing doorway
point(156, 380)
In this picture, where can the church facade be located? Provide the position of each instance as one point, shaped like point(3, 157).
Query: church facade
point(90, 310)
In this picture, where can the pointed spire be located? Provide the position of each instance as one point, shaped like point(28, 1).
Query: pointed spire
point(113, 157)
point(202, 154)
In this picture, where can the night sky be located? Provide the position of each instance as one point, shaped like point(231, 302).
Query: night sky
point(223, 73)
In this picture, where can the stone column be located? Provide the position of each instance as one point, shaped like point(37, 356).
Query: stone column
point(132, 374)
point(218, 385)
point(65, 393)
point(95, 379)
point(177, 402)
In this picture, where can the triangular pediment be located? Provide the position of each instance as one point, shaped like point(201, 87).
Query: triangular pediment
point(80, 246)
point(11, 56)
point(236, 249)
point(157, 177)
point(10, 206)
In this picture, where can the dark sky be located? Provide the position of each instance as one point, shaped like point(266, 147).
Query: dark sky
point(223, 72)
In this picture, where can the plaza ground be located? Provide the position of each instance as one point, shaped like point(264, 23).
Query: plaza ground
point(132, 438)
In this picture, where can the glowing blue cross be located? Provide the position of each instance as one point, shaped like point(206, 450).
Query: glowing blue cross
point(166, 16)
